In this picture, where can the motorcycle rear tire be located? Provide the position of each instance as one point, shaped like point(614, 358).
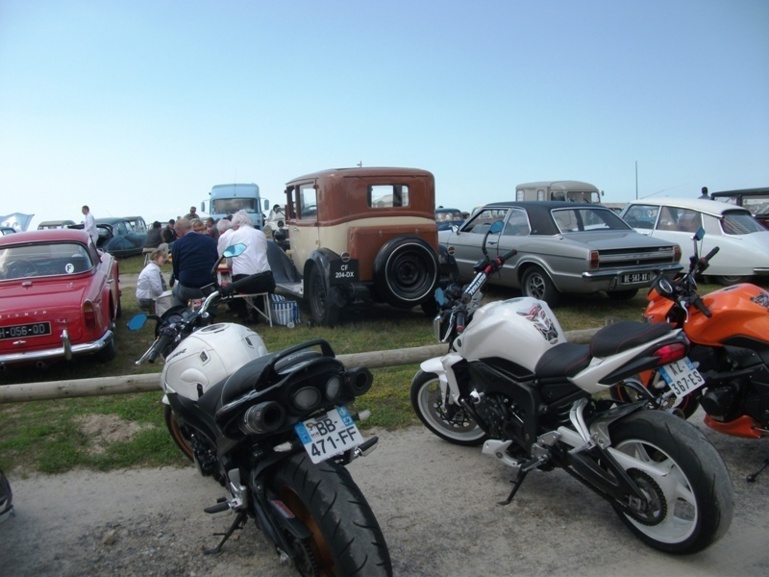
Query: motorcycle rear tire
point(347, 539)
point(431, 410)
point(693, 490)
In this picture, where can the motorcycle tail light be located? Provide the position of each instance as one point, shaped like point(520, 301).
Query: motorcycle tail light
point(306, 398)
point(670, 353)
point(263, 418)
point(333, 386)
point(89, 315)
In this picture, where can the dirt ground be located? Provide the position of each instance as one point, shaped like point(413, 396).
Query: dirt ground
point(437, 504)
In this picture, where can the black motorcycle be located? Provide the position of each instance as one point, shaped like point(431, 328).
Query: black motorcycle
point(275, 429)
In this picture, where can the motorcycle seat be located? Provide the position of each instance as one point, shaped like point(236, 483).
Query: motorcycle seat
point(564, 359)
point(567, 359)
point(245, 379)
point(618, 337)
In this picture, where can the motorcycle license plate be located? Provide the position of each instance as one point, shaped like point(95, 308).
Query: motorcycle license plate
point(682, 377)
point(329, 434)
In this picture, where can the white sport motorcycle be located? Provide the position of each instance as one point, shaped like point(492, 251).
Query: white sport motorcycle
point(274, 429)
point(512, 383)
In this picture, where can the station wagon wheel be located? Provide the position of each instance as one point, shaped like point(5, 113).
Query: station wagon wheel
point(537, 284)
point(323, 312)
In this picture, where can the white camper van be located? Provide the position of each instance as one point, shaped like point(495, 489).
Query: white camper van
point(571, 190)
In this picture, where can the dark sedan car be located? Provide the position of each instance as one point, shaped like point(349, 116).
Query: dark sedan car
point(445, 218)
point(563, 247)
point(120, 236)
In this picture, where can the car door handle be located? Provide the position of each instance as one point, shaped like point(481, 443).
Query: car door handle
point(492, 243)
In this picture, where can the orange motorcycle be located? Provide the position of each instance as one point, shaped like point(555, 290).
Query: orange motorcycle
point(729, 334)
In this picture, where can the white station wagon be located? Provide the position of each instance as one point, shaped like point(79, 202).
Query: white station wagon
point(742, 240)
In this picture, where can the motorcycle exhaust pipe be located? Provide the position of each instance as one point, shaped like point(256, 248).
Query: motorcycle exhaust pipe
point(358, 381)
point(263, 418)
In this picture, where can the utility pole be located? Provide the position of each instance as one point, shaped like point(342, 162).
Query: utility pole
point(636, 180)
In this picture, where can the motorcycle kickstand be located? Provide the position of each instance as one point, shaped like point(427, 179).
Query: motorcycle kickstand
point(518, 481)
point(752, 477)
point(237, 524)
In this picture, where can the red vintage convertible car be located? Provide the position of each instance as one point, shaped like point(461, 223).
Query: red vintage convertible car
point(59, 297)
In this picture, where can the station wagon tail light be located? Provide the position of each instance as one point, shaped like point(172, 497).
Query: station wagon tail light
point(677, 253)
point(594, 258)
point(89, 315)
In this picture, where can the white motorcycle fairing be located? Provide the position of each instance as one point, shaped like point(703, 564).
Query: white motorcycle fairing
point(521, 329)
point(209, 355)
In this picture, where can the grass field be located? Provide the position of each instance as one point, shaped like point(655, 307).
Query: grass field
point(119, 431)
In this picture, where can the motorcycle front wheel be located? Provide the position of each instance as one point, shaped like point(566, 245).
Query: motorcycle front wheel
point(178, 433)
point(689, 494)
point(346, 537)
point(447, 420)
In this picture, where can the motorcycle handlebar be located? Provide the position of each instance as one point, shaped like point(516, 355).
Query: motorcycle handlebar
point(460, 321)
point(159, 346)
point(711, 254)
point(507, 256)
point(701, 306)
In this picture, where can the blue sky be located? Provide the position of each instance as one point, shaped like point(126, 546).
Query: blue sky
point(140, 107)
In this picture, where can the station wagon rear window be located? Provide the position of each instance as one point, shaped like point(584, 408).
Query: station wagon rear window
point(388, 195)
point(39, 260)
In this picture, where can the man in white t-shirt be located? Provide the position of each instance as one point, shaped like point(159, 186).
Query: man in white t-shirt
point(251, 263)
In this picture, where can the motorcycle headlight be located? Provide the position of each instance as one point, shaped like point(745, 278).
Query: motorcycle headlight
point(306, 398)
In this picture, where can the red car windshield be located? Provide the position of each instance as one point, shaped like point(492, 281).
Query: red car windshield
point(43, 259)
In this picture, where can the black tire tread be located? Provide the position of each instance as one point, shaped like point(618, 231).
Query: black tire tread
point(348, 524)
point(702, 464)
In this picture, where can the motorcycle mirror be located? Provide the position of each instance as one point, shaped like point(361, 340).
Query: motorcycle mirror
point(439, 296)
point(495, 228)
point(234, 250)
point(137, 322)
point(700, 234)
